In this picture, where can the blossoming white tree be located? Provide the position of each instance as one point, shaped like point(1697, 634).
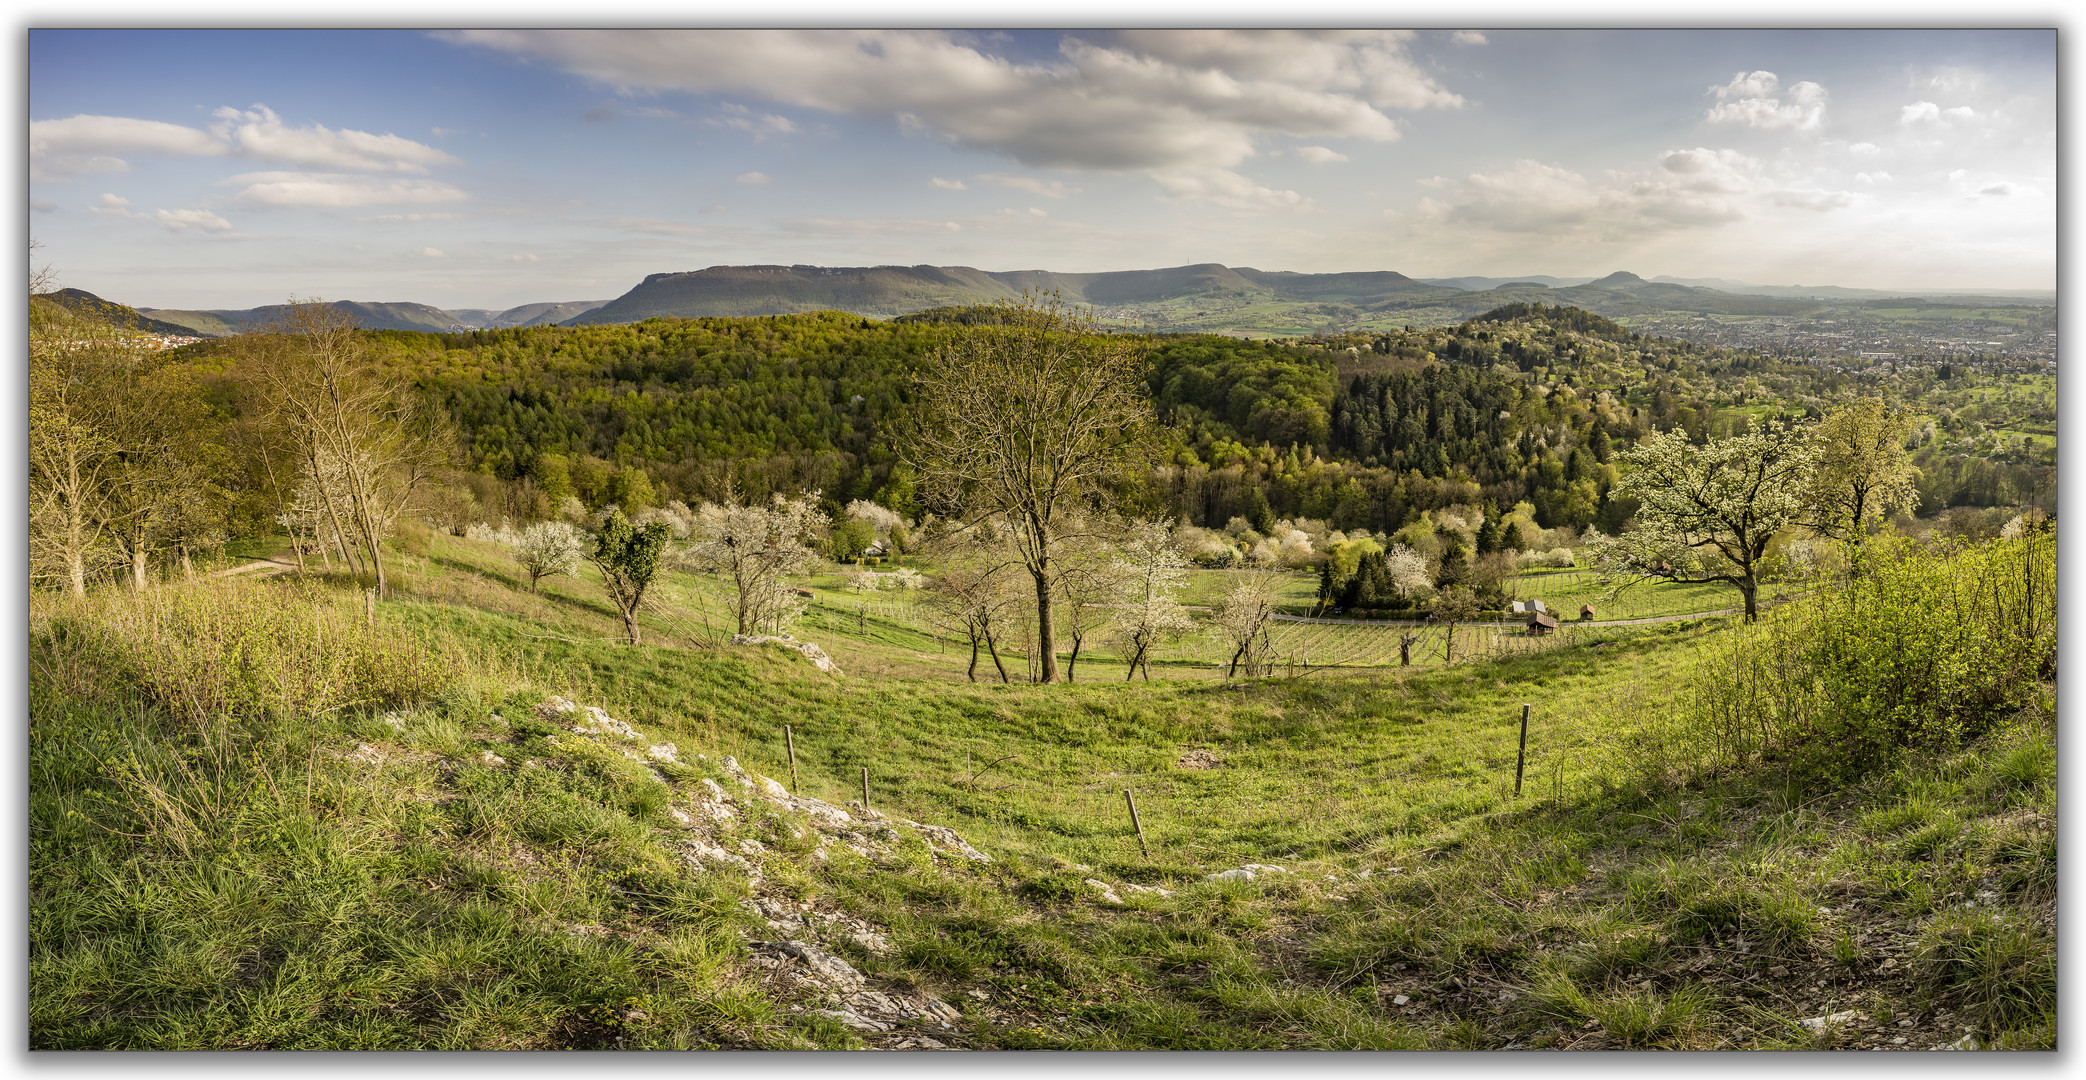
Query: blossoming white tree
point(758, 548)
point(1152, 569)
point(1707, 513)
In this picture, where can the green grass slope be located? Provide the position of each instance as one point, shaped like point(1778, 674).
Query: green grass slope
point(261, 820)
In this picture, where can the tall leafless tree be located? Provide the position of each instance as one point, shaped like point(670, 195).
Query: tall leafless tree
point(1028, 420)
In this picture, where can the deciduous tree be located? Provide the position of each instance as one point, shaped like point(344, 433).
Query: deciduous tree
point(1708, 512)
point(628, 557)
point(1151, 566)
point(1027, 421)
point(758, 548)
point(1863, 474)
point(549, 547)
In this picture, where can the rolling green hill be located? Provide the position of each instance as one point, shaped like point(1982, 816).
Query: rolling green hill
point(261, 817)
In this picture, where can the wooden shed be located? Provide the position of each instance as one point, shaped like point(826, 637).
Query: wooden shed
point(1540, 623)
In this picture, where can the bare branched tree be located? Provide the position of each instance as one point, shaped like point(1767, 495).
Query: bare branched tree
point(758, 548)
point(1028, 421)
point(361, 436)
point(1246, 620)
point(971, 596)
point(1151, 568)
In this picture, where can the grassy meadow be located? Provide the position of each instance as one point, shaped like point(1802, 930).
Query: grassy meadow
point(262, 818)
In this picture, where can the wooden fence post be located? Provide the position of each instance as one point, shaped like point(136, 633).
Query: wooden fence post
point(1135, 823)
point(1521, 758)
point(865, 790)
point(790, 741)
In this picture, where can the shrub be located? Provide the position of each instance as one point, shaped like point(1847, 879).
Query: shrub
point(1923, 650)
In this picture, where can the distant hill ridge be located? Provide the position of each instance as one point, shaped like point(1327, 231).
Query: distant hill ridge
point(1202, 291)
point(891, 291)
point(378, 316)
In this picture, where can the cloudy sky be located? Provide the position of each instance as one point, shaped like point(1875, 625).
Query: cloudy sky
point(224, 168)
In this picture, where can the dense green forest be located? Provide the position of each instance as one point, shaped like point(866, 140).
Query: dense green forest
point(1523, 404)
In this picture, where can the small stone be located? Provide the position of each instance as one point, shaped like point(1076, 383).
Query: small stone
point(1816, 1025)
point(1240, 874)
point(979, 995)
point(1778, 971)
point(1106, 892)
point(1904, 1023)
point(1899, 1041)
point(1401, 999)
point(492, 759)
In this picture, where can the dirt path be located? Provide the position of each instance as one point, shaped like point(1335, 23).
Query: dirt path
point(1561, 622)
point(268, 568)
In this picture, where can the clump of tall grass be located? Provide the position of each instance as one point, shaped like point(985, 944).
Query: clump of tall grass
point(1924, 649)
point(232, 650)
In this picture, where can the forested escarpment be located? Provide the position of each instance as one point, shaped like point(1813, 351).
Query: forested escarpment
point(1524, 404)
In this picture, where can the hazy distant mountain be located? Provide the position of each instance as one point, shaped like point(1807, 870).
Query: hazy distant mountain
point(1482, 284)
point(79, 300)
point(1839, 292)
point(887, 291)
point(379, 316)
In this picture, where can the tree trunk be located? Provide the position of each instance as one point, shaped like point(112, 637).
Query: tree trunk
point(1073, 661)
point(1046, 645)
point(973, 670)
point(138, 564)
point(1751, 591)
point(992, 647)
point(76, 571)
point(1132, 673)
point(188, 569)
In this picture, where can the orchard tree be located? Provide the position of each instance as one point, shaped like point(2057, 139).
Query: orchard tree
point(1863, 473)
point(1456, 604)
point(758, 548)
point(628, 558)
point(1151, 569)
point(1029, 420)
point(359, 433)
point(1708, 513)
point(549, 547)
point(1244, 620)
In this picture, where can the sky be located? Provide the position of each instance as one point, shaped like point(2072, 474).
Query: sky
point(213, 168)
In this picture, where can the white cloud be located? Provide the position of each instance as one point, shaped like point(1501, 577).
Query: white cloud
point(399, 219)
point(113, 200)
point(302, 189)
point(1226, 188)
point(524, 258)
point(1467, 37)
point(1049, 189)
point(178, 220)
point(431, 253)
point(759, 125)
point(1319, 155)
point(1686, 189)
point(753, 178)
point(1153, 100)
point(947, 185)
point(442, 131)
point(89, 144)
point(1865, 149)
point(84, 144)
point(259, 133)
point(1755, 100)
point(1926, 113)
